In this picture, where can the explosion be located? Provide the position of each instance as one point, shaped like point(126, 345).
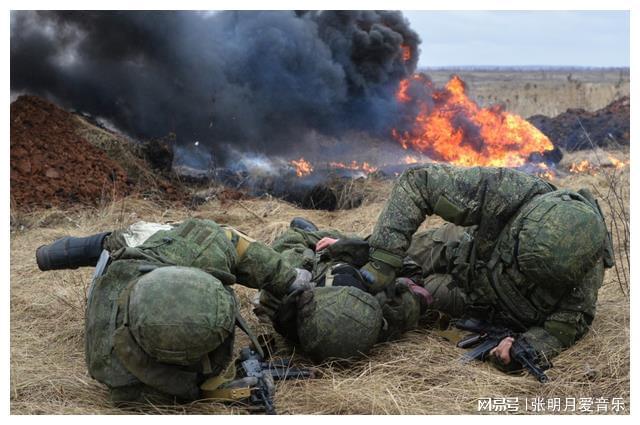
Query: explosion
point(448, 126)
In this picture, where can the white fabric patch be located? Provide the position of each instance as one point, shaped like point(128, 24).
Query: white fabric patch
point(139, 232)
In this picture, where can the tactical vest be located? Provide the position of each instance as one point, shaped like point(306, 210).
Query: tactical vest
point(500, 291)
point(112, 355)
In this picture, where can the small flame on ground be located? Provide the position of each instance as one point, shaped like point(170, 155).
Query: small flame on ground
point(617, 163)
point(302, 167)
point(410, 159)
point(451, 127)
point(585, 166)
point(545, 172)
point(354, 165)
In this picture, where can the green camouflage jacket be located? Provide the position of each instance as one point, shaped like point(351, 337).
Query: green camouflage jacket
point(490, 199)
point(200, 244)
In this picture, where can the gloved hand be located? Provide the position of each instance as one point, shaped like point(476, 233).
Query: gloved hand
point(421, 293)
point(298, 304)
point(378, 275)
point(283, 313)
point(302, 281)
point(400, 308)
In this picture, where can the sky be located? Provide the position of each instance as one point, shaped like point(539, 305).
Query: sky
point(521, 38)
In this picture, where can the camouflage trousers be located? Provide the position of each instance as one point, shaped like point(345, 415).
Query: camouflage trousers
point(435, 250)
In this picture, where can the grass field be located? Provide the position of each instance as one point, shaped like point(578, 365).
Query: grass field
point(419, 374)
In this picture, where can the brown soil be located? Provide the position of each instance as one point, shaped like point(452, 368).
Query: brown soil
point(142, 161)
point(52, 165)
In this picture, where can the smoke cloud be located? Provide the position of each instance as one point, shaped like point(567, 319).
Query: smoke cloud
point(253, 80)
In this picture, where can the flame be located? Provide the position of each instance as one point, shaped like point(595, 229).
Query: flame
point(410, 159)
point(402, 94)
point(406, 53)
point(354, 165)
point(617, 163)
point(451, 127)
point(583, 166)
point(302, 166)
point(545, 172)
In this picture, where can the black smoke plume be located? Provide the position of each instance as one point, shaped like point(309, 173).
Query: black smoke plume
point(253, 80)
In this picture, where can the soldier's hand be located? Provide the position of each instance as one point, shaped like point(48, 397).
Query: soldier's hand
point(502, 351)
point(325, 243)
point(422, 294)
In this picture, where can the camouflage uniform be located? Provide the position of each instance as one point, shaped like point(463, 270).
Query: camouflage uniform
point(140, 340)
point(297, 246)
point(337, 266)
point(529, 256)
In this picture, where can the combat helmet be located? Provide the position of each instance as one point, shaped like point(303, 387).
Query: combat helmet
point(561, 237)
point(177, 315)
point(345, 323)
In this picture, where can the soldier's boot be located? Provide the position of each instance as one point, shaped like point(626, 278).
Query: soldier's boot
point(70, 252)
point(303, 224)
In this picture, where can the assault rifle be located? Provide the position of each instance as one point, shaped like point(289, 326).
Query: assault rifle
point(485, 337)
point(262, 375)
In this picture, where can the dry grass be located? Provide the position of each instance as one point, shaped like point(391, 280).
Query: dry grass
point(419, 374)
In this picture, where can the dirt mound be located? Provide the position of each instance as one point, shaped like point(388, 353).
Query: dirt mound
point(145, 163)
point(52, 165)
point(607, 127)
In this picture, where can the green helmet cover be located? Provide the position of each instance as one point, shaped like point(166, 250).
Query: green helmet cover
point(179, 314)
point(560, 240)
point(345, 323)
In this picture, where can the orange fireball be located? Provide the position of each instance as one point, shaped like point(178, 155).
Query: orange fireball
point(449, 126)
